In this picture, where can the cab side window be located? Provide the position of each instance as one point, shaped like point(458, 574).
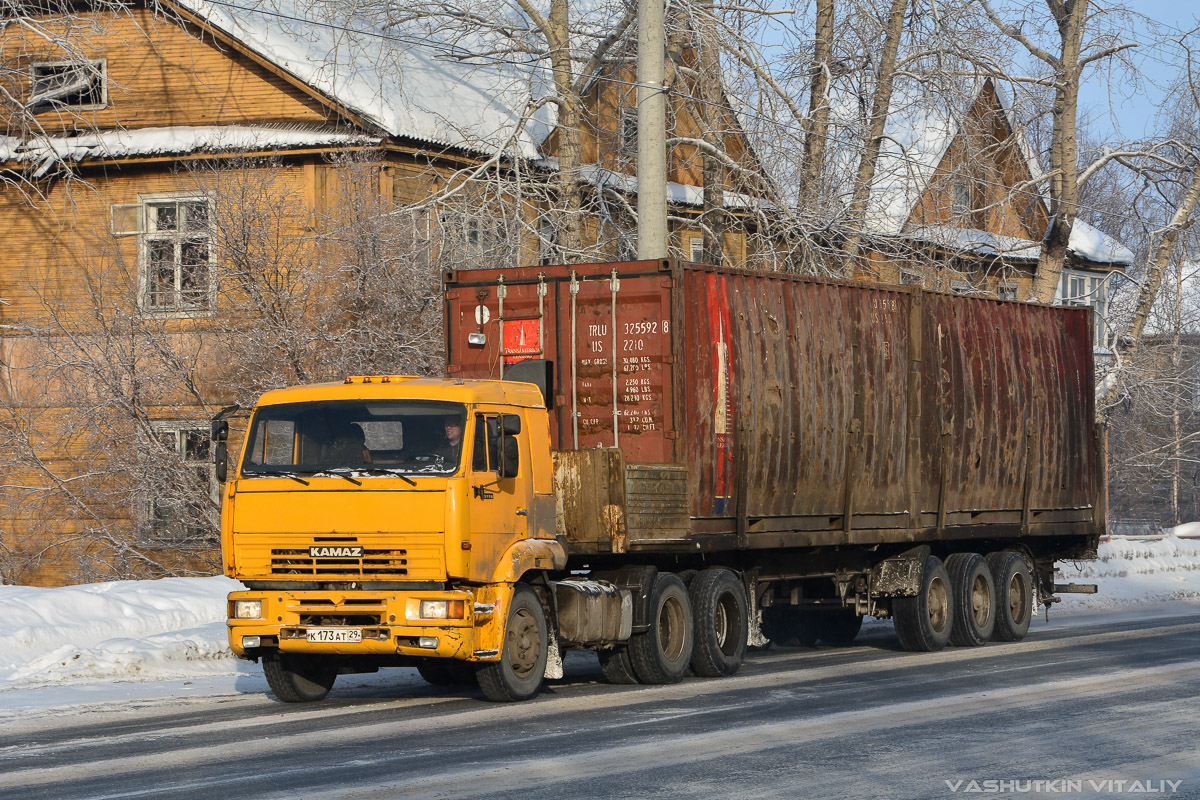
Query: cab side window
point(486, 455)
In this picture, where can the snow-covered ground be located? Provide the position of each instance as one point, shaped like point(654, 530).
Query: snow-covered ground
point(140, 641)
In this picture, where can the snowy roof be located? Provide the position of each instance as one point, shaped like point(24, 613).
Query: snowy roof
point(45, 152)
point(1086, 242)
point(920, 128)
point(975, 241)
point(679, 193)
point(409, 90)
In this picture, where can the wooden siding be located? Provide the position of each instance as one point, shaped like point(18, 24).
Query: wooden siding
point(163, 73)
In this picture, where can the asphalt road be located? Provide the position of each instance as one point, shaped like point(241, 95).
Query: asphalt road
point(1085, 708)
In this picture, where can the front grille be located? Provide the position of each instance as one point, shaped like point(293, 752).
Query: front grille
point(288, 561)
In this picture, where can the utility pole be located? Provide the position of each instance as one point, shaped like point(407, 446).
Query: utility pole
point(652, 132)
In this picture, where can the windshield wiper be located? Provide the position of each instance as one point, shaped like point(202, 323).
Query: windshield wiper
point(283, 473)
point(341, 472)
point(389, 471)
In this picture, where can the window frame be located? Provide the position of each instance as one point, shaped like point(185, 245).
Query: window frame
point(149, 531)
point(100, 66)
point(1094, 294)
point(148, 233)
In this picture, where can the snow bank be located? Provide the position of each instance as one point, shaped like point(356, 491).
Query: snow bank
point(1133, 570)
point(173, 627)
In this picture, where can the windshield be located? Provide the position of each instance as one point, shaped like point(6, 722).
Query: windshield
point(357, 435)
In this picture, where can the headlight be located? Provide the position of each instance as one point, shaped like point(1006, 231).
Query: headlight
point(247, 609)
point(442, 609)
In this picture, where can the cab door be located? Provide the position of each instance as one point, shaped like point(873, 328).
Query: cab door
point(499, 505)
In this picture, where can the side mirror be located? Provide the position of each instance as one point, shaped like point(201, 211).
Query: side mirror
point(219, 435)
point(510, 452)
point(221, 461)
point(510, 456)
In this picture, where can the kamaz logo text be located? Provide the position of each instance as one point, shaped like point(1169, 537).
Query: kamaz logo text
point(341, 551)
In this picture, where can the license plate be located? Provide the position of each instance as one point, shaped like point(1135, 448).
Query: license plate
point(334, 634)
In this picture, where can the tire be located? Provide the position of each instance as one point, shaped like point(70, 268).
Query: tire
point(790, 627)
point(519, 672)
point(662, 653)
point(616, 666)
point(296, 678)
point(923, 622)
point(720, 627)
point(447, 672)
point(839, 628)
point(974, 600)
point(1014, 595)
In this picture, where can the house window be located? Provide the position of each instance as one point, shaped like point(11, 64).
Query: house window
point(181, 513)
point(910, 278)
point(176, 274)
point(696, 247)
point(548, 251)
point(629, 132)
point(1006, 291)
point(76, 85)
point(960, 198)
point(961, 287)
point(1081, 289)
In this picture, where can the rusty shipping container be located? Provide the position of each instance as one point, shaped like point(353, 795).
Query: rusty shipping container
point(697, 409)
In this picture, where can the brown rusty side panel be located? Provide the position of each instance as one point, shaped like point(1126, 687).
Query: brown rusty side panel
point(1012, 403)
point(812, 386)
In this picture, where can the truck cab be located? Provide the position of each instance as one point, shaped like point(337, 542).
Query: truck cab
point(386, 520)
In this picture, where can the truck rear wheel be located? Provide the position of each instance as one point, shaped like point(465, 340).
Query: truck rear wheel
point(720, 627)
point(616, 666)
point(839, 628)
point(1014, 595)
point(522, 665)
point(299, 678)
point(923, 621)
point(974, 599)
point(662, 653)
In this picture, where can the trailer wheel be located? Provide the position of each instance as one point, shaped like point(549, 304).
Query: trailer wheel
point(974, 599)
point(923, 621)
point(522, 665)
point(790, 627)
point(839, 628)
point(1014, 595)
point(662, 653)
point(720, 626)
point(448, 672)
point(616, 666)
point(296, 678)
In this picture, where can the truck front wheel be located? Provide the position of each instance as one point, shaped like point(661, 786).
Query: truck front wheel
point(924, 621)
point(522, 665)
point(296, 678)
point(663, 652)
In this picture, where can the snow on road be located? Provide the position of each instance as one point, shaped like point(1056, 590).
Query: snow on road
point(144, 640)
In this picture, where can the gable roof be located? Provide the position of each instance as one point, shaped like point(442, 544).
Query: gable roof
point(411, 91)
point(919, 131)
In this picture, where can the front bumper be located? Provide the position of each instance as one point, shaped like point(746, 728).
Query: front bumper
point(389, 621)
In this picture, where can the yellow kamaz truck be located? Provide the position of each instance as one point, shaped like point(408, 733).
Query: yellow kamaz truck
point(653, 459)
